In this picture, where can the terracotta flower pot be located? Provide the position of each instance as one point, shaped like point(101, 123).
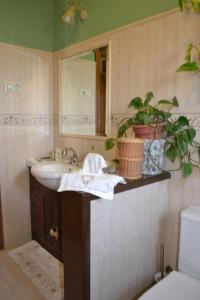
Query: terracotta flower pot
point(149, 132)
point(131, 155)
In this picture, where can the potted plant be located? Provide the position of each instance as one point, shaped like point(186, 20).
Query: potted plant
point(147, 123)
point(179, 135)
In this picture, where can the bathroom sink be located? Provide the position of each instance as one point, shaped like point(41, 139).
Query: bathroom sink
point(49, 173)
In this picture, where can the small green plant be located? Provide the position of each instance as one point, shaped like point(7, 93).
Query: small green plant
point(190, 5)
point(192, 60)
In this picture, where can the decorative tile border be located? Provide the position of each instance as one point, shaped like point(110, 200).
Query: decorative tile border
point(52, 119)
point(27, 119)
point(193, 117)
point(45, 119)
point(77, 120)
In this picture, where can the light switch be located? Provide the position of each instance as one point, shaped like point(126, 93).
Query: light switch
point(8, 86)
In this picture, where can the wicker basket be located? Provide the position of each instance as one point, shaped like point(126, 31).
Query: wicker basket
point(131, 155)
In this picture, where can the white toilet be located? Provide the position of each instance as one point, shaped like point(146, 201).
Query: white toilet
point(184, 284)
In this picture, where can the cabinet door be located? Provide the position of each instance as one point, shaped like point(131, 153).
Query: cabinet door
point(46, 217)
point(36, 213)
point(52, 232)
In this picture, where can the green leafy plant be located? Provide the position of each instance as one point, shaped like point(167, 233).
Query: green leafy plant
point(192, 60)
point(150, 114)
point(144, 114)
point(180, 136)
point(190, 5)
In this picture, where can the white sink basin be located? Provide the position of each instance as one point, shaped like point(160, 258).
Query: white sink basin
point(49, 174)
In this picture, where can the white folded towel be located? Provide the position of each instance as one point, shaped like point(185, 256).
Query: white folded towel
point(99, 185)
point(93, 164)
point(91, 179)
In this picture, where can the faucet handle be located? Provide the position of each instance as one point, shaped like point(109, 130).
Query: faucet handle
point(70, 155)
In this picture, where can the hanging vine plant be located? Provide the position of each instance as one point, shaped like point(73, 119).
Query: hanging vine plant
point(192, 57)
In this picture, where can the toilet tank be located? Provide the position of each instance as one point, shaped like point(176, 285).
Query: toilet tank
point(189, 246)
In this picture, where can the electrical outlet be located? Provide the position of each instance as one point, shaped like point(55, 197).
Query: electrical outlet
point(84, 93)
point(10, 86)
point(17, 86)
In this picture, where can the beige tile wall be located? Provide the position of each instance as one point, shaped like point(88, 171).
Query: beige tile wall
point(26, 130)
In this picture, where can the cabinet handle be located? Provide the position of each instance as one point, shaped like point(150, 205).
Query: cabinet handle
point(54, 233)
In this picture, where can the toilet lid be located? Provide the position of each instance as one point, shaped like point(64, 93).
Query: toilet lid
point(176, 286)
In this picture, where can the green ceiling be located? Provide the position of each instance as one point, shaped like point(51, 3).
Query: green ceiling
point(27, 23)
point(103, 16)
point(36, 23)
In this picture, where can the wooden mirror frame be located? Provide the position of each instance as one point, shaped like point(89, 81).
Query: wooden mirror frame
point(1, 226)
point(77, 50)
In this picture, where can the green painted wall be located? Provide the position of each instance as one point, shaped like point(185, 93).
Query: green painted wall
point(27, 23)
point(104, 15)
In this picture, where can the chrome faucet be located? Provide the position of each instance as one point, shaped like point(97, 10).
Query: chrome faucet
point(70, 155)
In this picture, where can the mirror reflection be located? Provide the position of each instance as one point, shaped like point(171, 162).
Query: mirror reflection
point(83, 93)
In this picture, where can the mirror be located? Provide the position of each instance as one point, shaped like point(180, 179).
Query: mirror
point(83, 105)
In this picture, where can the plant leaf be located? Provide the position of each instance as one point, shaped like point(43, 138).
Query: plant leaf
point(163, 116)
point(149, 97)
point(121, 130)
point(110, 143)
point(186, 136)
point(189, 66)
point(146, 119)
point(182, 121)
point(139, 118)
point(167, 115)
point(188, 53)
point(170, 127)
point(171, 153)
point(182, 4)
point(129, 122)
point(198, 151)
point(196, 5)
point(182, 145)
point(191, 134)
point(136, 103)
point(164, 102)
point(186, 168)
point(175, 102)
point(115, 161)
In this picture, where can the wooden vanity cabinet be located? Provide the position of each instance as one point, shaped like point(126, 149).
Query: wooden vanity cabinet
point(62, 223)
point(46, 217)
